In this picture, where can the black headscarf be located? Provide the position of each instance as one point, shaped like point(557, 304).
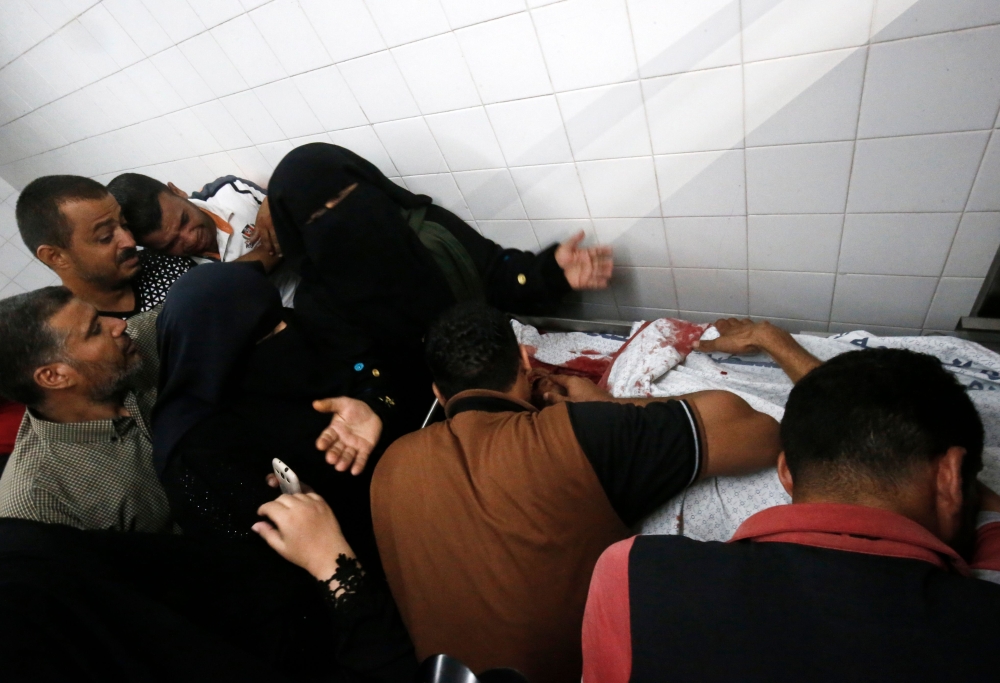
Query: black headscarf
point(367, 281)
point(310, 175)
point(211, 320)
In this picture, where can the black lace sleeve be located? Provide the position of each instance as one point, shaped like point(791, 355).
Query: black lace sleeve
point(351, 578)
point(372, 642)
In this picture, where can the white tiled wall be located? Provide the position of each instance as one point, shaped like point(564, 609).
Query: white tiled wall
point(825, 164)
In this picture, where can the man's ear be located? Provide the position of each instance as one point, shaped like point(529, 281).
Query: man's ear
point(949, 494)
point(437, 393)
point(54, 257)
point(177, 191)
point(785, 474)
point(55, 376)
point(525, 358)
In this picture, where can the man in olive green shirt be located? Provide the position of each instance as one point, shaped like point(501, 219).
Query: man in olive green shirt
point(83, 455)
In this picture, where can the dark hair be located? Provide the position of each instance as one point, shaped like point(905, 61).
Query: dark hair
point(472, 346)
point(28, 341)
point(38, 208)
point(139, 197)
point(866, 417)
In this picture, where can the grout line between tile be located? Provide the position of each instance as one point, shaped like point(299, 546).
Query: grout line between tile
point(656, 174)
point(489, 122)
point(850, 173)
point(746, 176)
point(565, 132)
point(951, 245)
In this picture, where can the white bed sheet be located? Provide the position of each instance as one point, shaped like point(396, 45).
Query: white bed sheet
point(712, 509)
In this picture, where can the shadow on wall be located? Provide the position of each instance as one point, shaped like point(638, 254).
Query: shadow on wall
point(722, 172)
point(704, 197)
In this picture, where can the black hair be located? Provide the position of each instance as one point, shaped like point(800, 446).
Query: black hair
point(472, 346)
point(866, 417)
point(39, 217)
point(139, 197)
point(28, 341)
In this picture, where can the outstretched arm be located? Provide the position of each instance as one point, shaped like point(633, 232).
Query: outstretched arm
point(737, 439)
point(745, 336)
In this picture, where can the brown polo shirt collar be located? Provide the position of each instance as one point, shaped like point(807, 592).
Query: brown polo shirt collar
point(485, 400)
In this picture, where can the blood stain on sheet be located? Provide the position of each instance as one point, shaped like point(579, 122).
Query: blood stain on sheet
point(581, 366)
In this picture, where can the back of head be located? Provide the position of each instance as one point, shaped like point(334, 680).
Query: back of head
point(472, 346)
point(139, 197)
point(863, 420)
point(28, 342)
point(38, 208)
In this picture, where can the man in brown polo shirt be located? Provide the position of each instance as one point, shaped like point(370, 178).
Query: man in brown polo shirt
point(489, 524)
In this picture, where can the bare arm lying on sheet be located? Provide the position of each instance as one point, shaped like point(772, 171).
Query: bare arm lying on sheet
point(745, 336)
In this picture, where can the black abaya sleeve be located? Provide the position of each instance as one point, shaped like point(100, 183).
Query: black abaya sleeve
point(514, 281)
point(372, 644)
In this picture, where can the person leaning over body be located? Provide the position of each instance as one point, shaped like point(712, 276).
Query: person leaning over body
point(489, 524)
point(868, 575)
point(83, 454)
point(75, 227)
point(241, 383)
point(383, 263)
point(227, 220)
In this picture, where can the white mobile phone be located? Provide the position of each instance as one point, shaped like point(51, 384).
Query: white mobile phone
point(287, 479)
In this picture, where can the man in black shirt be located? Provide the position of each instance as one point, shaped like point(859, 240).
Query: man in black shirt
point(74, 226)
point(489, 524)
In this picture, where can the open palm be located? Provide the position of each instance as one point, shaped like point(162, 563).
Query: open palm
point(585, 268)
point(352, 434)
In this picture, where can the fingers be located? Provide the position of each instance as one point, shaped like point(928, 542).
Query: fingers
point(272, 481)
point(271, 535)
point(575, 240)
point(343, 460)
point(328, 405)
point(344, 450)
point(552, 398)
point(359, 463)
point(275, 509)
point(722, 325)
point(561, 380)
point(327, 440)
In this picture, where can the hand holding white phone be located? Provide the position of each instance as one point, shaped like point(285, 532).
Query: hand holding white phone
point(287, 479)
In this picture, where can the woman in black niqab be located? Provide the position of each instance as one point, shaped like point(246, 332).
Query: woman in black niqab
point(379, 263)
